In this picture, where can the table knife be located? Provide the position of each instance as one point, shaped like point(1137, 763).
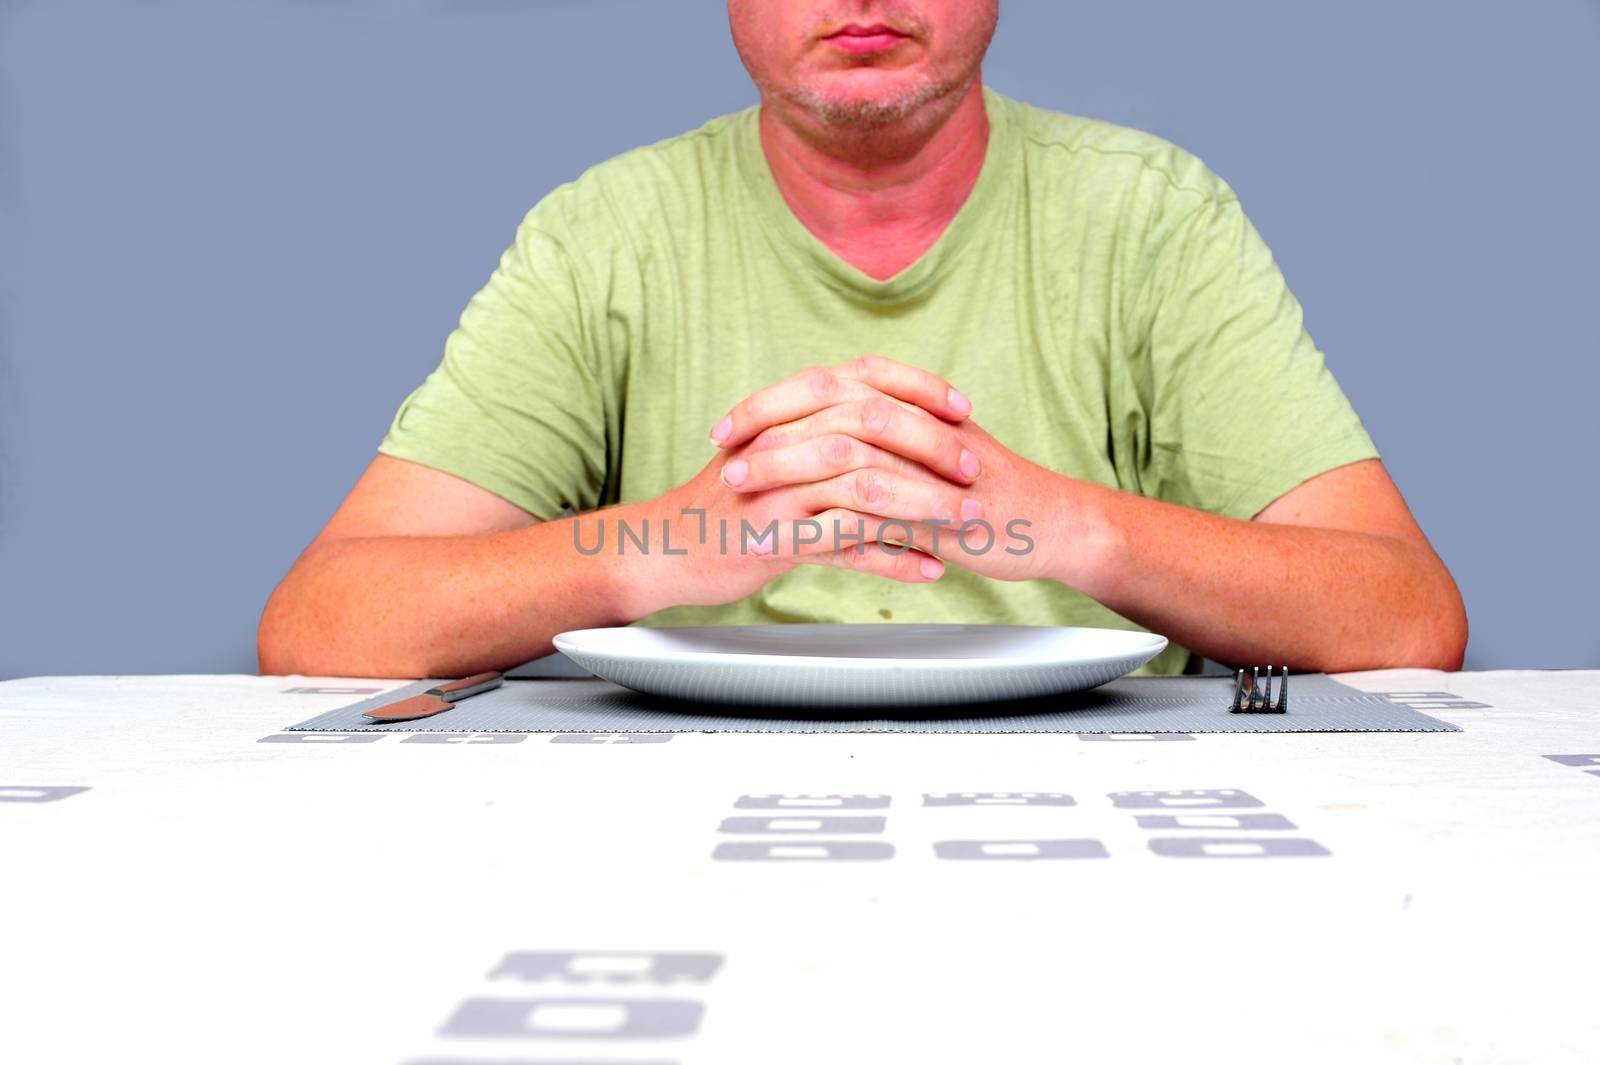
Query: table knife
point(436, 700)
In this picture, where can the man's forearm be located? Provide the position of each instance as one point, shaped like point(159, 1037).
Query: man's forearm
point(1245, 592)
point(431, 606)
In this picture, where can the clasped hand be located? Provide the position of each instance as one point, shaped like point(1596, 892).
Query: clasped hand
point(874, 465)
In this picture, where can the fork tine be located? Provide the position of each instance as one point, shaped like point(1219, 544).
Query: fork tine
point(1250, 696)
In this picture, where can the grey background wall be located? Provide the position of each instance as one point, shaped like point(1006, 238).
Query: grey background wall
point(232, 237)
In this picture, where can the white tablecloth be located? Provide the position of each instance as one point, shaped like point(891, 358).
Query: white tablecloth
point(217, 892)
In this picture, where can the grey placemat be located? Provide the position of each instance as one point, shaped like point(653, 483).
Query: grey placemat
point(1317, 703)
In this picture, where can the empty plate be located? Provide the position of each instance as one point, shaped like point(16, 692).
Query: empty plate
point(858, 665)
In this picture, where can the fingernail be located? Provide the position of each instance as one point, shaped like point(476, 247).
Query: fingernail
point(932, 569)
point(722, 430)
point(969, 463)
point(733, 474)
point(958, 403)
point(971, 510)
point(760, 547)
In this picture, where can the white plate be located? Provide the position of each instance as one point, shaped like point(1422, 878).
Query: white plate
point(858, 665)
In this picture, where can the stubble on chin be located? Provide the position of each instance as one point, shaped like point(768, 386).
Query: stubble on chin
point(847, 112)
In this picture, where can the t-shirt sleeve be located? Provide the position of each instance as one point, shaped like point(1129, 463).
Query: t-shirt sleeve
point(517, 405)
point(1242, 406)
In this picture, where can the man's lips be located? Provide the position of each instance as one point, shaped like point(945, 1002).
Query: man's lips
point(865, 40)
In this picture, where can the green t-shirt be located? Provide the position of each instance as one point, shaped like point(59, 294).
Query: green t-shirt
point(1101, 297)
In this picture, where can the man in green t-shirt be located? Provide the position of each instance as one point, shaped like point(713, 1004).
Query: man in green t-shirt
point(888, 346)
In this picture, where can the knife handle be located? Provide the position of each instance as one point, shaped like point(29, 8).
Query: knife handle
point(457, 690)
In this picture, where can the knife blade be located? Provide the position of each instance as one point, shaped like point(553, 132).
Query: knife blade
point(436, 700)
point(412, 709)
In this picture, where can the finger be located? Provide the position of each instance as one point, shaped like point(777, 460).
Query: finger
point(883, 494)
point(909, 566)
point(815, 459)
point(819, 387)
point(841, 529)
point(795, 397)
point(928, 442)
point(785, 434)
point(913, 384)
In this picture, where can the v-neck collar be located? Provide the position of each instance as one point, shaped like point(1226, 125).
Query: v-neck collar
point(914, 279)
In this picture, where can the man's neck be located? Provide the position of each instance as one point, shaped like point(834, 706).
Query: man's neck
point(879, 199)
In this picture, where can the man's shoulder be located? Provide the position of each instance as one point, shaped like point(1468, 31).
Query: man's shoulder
point(711, 145)
point(661, 180)
point(1086, 149)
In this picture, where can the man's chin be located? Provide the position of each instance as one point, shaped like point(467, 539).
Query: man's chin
point(866, 99)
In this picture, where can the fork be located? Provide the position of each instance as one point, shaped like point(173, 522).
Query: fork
point(1250, 697)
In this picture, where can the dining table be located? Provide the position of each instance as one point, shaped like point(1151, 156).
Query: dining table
point(186, 878)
